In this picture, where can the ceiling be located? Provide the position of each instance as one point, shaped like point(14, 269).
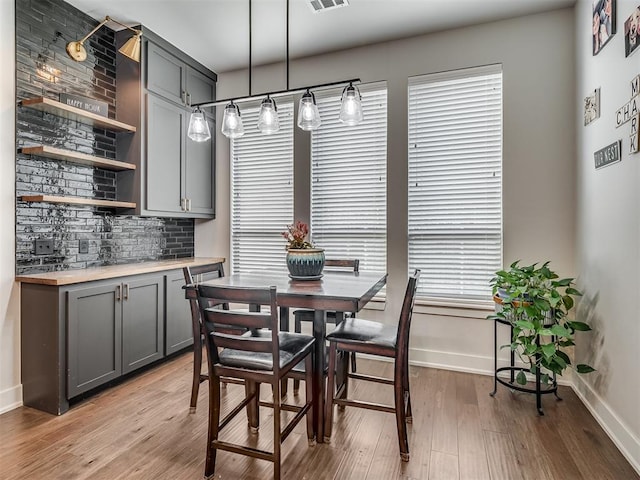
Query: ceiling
point(216, 32)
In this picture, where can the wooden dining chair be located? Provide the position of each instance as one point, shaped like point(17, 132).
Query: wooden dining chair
point(261, 355)
point(192, 276)
point(304, 315)
point(375, 338)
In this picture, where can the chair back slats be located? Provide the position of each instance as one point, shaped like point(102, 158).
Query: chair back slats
point(190, 273)
point(246, 343)
point(351, 264)
point(238, 318)
point(217, 320)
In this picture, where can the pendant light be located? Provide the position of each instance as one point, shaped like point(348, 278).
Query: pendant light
point(268, 121)
point(351, 107)
point(308, 114)
point(232, 121)
point(198, 126)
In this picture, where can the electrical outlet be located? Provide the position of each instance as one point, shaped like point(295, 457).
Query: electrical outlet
point(44, 246)
point(83, 246)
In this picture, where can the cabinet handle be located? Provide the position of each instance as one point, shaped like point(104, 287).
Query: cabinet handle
point(183, 204)
point(126, 291)
point(183, 96)
point(188, 204)
point(188, 99)
point(117, 293)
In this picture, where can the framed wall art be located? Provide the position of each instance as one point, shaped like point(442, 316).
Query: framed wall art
point(632, 32)
point(592, 106)
point(604, 23)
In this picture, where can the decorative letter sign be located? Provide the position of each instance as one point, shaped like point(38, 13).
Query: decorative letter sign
point(608, 155)
point(630, 112)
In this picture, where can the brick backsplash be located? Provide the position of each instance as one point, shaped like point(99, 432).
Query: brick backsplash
point(43, 28)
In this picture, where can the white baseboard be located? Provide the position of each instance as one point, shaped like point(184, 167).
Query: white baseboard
point(10, 398)
point(618, 432)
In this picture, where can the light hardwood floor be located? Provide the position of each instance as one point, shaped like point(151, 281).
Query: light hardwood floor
point(142, 429)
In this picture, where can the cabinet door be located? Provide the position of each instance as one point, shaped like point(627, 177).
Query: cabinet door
point(165, 149)
point(178, 327)
point(200, 88)
point(142, 321)
point(94, 337)
point(199, 171)
point(165, 74)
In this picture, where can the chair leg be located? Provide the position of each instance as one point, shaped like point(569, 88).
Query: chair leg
point(253, 408)
point(197, 369)
point(398, 387)
point(214, 424)
point(331, 386)
point(407, 392)
point(277, 433)
point(297, 329)
point(309, 398)
point(353, 362)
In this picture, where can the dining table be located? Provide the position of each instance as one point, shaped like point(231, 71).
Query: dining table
point(338, 291)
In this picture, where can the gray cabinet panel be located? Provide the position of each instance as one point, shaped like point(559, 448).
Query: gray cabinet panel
point(142, 321)
point(165, 150)
point(165, 74)
point(200, 88)
point(94, 337)
point(200, 175)
point(178, 330)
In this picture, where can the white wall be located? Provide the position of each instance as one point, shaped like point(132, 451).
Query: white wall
point(10, 386)
point(608, 237)
point(539, 156)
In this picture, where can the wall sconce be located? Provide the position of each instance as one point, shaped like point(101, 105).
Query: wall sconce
point(130, 49)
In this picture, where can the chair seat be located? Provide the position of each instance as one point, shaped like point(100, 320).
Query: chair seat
point(291, 346)
point(358, 330)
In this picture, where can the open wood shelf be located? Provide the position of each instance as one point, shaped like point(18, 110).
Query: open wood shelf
point(77, 157)
point(77, 201)
point(54, 107)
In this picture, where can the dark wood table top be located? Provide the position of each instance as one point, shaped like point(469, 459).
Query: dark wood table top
point(338, 291)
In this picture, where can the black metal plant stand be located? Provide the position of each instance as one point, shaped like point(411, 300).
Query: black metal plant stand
point(512, 369)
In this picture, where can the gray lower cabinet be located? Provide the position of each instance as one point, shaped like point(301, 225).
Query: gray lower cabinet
point(178, 328)
point(78, 337)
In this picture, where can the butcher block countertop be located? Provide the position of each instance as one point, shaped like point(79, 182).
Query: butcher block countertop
point(68, 277)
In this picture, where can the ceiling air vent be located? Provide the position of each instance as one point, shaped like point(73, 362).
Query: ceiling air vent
point(324, 5)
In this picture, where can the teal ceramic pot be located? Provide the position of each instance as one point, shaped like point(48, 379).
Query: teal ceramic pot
point(307, 262)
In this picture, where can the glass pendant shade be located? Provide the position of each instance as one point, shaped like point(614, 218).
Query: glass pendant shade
point(351, 107)
point(268, 121)
point(308, 114)
point(232, 122)
point(198, 127)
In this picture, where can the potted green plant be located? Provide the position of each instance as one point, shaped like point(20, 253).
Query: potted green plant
point(536, 303)
point(304, 260)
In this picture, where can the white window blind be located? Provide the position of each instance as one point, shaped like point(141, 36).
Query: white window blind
point(261, 192)
point(455, 177)
point(349, 178)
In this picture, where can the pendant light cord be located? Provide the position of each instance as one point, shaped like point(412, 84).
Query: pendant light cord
point(287, 44)
point(250, 2)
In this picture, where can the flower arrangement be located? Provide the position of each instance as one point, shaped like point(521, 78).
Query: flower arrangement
point(296, 235)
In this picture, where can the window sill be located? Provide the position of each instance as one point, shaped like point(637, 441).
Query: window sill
point(448, 308)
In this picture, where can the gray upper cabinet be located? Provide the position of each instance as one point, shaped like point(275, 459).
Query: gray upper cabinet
point(175, 176)
point(165, 74)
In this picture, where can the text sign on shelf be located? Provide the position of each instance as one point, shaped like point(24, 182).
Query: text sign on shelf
point(87, 104)
point(608, 155)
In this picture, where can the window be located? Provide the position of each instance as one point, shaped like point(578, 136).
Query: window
point(348, 181)
point(261, 192)
point(455, 171)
